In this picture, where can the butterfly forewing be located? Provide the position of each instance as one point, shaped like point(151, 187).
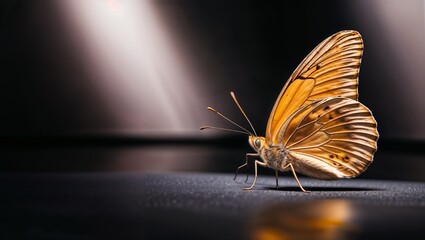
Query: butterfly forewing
point(330, 70)
point(335, 135)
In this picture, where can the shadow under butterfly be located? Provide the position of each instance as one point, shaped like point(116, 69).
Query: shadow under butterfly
point(317, 126)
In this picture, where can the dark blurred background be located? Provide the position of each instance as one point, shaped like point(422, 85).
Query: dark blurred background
point(122, 85)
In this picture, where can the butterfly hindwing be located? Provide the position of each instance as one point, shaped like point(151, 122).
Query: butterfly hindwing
point(330, 70)
point(336, 136)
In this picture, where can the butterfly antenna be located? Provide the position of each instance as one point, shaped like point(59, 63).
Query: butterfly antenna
point(240, 108)
point(221, 115)
point(223, 129)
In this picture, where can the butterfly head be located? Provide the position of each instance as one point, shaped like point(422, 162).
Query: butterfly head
point(257, 143)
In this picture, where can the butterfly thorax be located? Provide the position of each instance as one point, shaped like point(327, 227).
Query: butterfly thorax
point(275, 156)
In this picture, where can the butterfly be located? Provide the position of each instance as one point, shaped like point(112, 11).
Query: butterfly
point(317, 126)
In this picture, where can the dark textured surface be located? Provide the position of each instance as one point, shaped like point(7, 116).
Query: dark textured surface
point(191, 205)
point(225, 195)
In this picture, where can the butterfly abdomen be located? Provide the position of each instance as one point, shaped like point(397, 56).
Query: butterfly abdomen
point(314, 168)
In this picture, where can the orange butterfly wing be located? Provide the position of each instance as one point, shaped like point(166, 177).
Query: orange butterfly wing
point(333, 138)
point(331, 69)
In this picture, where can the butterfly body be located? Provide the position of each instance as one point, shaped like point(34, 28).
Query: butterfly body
point(277, 157)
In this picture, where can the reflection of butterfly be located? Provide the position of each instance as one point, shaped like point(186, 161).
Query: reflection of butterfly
point(317, 127)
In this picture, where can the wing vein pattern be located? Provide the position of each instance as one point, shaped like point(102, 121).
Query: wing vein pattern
point(323, 133)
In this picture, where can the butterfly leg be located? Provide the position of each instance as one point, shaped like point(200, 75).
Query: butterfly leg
point(245, 165)
point(255, 177)
point(295, 176)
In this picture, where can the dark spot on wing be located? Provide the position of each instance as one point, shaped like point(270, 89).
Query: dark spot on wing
point(318, 66)
point(346, 159)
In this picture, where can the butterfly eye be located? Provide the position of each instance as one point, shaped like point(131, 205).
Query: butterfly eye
point(257, 143)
